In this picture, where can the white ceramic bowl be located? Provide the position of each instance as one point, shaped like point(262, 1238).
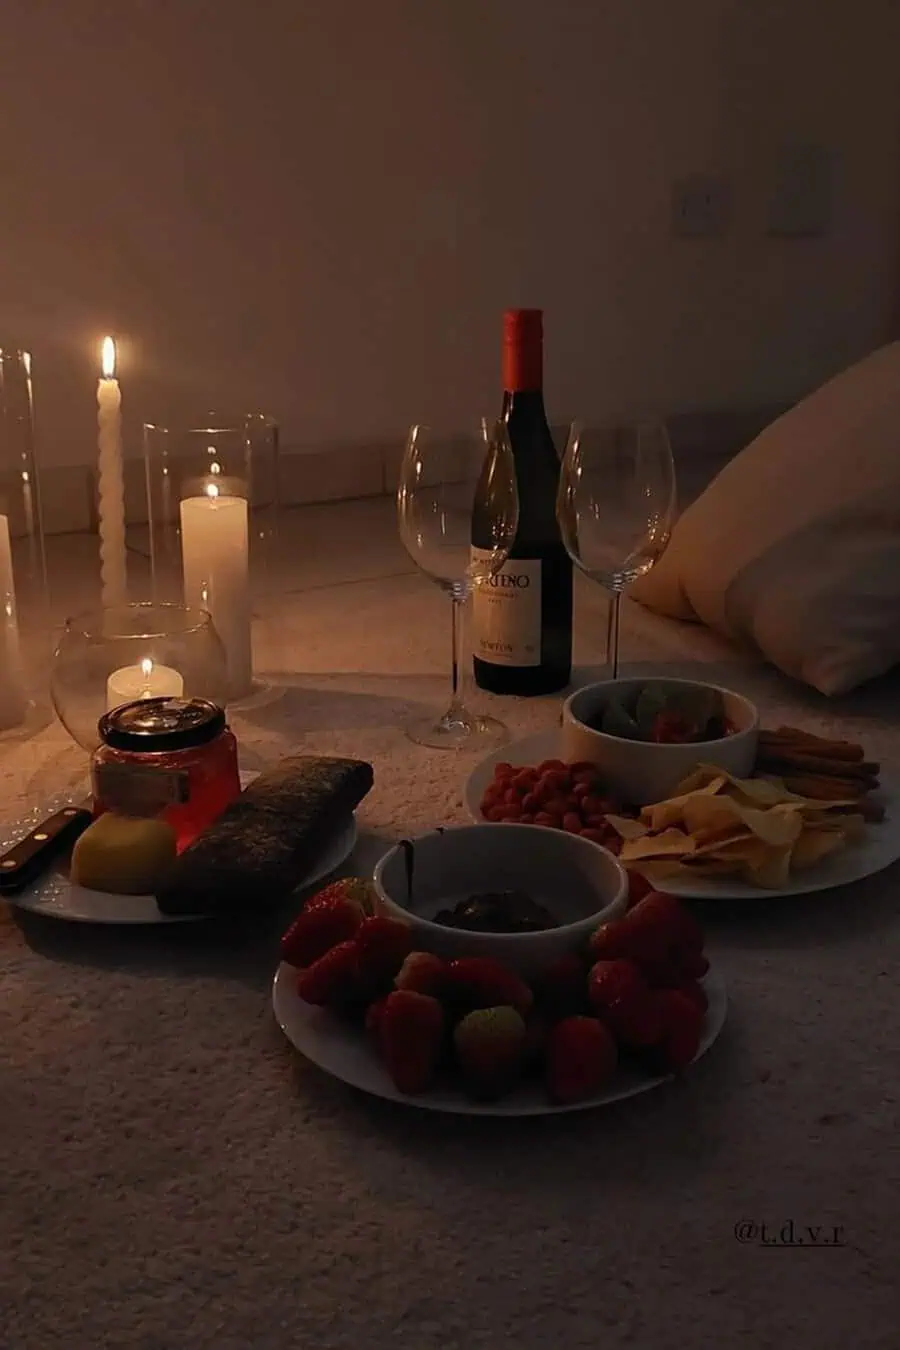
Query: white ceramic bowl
point(640, 772)
point(582, 884)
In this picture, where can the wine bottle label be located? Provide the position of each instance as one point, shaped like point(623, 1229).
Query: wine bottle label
point(506, 612)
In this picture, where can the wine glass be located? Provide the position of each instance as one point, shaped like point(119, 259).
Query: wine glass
point(616, 506)
point(444, 482)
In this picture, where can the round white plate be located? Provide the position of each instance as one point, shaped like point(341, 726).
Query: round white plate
point(344, 1052)
point(878, 850)
point(54, 896)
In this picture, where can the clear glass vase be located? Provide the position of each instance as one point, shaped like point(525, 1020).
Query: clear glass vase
point(24, 598)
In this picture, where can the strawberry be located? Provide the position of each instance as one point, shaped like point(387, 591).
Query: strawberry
point(693, 990)
point(333, 978)
point(374, 1014)
point(490, 1046)
point(383, 944)
point(330, 916)
point(610, 941)
point(581, 1055)
point(611, 981)
point(481, 982)
point(682, 1030)
point(410, 1033)
point(562, 988)
point(357, 889)
point(678, 925)
point(423, 972)
point(691, 965)
point(636, 1020)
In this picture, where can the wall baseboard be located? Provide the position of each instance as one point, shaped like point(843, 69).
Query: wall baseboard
point(342, 472)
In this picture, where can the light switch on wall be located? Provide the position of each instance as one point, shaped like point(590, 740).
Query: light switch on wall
point(701, 207)
point(801, 202)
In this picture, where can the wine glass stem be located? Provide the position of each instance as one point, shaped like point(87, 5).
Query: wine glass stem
point(612, 633)
point(456, 711)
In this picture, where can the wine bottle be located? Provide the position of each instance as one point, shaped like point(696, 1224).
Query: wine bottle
point(522, 617)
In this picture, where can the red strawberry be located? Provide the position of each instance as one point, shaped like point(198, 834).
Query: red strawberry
point(316, 930)
point(357, 889)
point(490, 1046)
point(612, 981)
point(581, 1055)
point(682, 1030)
point(562, 988)
point(411, 1032)
point(691, 965)
point(610, 941)
point(636, 1020)
point(383, 944)
point(693, 990)
point(423, 972)
point(481, 982)
point(374, 1014)
point(664, 912)
point(333, 978)
point(330, 916)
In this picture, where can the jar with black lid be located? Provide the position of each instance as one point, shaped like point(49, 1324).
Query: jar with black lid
point(172, 758)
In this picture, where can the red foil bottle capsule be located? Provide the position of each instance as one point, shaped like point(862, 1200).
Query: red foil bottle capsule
point(172, 758)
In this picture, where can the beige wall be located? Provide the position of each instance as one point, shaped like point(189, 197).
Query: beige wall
point(321, 206)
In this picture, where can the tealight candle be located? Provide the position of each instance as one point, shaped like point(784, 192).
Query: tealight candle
point(214, 555)
point(145, 680)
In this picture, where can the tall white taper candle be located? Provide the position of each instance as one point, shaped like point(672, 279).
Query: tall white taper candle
point(113, 574)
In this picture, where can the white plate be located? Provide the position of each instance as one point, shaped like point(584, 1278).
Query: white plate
point(878, 850)
point(54, 896)
point(344, 1052)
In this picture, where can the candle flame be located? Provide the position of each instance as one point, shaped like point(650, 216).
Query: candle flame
point(212, 491)
point(215, 467)
point(146, 667)
point(108, 358)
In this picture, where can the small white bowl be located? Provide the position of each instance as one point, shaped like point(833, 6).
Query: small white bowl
point(580, 882)
point(641, 772)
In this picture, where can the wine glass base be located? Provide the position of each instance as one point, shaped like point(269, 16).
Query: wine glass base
point(466, 731)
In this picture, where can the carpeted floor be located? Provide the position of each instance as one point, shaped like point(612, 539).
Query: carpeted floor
point(173, 1176)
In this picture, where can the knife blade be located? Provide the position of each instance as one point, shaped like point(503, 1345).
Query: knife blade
point(26, 860)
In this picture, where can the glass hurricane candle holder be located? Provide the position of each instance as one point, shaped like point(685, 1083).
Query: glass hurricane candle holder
point(241, 455)
point(212, 509)
point(24, 606)
point(108, 657)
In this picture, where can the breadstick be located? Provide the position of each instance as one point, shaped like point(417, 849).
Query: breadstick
point(806, 743)
point(820, 766)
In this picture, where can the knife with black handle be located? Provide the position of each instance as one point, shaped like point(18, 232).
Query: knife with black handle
point(25, 861)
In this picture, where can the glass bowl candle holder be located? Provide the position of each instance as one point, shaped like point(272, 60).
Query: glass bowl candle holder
point(24, 600)
point(109, 657)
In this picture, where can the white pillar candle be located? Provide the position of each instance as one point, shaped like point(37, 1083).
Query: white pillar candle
point(215, 561)
point(13, 692)
point(111, 482)
point(145, 680)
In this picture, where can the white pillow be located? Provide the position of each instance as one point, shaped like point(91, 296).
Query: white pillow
point(795, 546)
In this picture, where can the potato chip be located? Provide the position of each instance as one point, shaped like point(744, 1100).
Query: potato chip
point(718, 825)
